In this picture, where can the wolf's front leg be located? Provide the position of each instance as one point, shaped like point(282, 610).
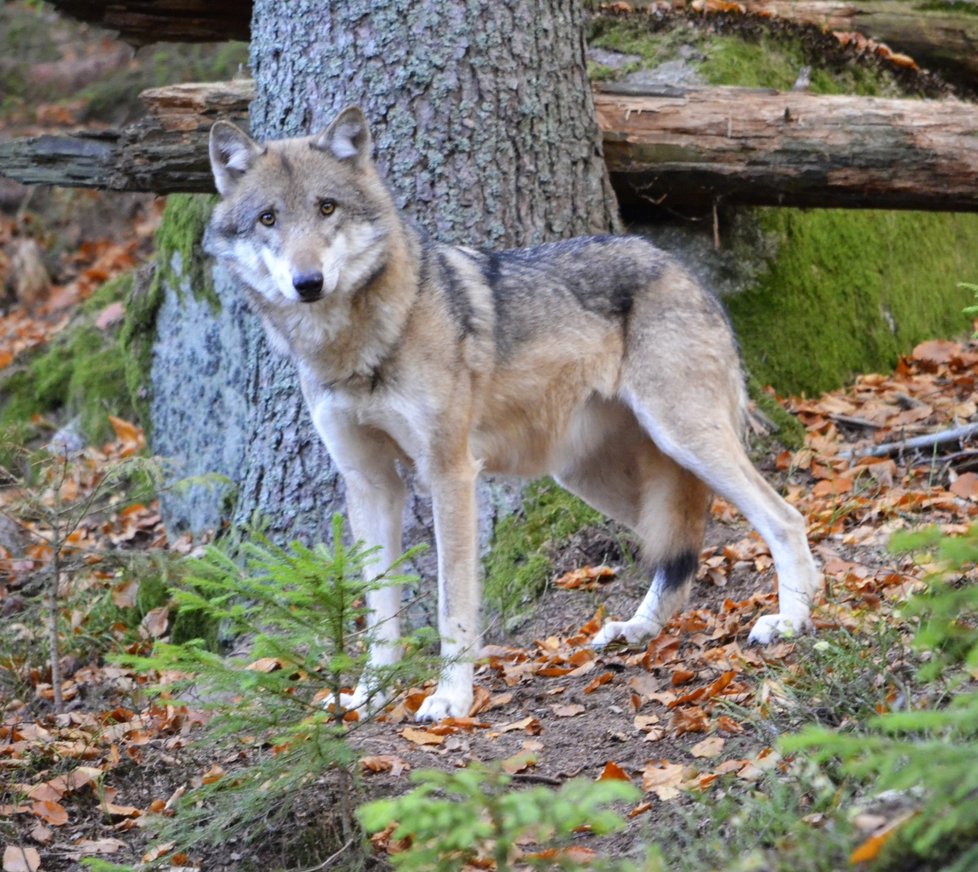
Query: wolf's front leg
point(376, 507)
point(453, 500)
point(375, 497)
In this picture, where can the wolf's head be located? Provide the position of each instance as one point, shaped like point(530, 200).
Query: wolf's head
point(300, 220)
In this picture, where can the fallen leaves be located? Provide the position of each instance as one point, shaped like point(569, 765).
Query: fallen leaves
point(17, 858)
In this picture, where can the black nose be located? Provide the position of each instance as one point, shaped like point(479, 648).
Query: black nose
point(309, 285)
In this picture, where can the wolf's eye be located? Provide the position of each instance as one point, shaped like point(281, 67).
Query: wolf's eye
point(327, 207)
point(267, 218)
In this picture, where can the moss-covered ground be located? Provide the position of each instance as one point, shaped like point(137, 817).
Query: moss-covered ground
point(520, 560)
point(79, 374)
point(850, 291)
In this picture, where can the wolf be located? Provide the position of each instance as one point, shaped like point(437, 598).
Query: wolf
point(598, 360)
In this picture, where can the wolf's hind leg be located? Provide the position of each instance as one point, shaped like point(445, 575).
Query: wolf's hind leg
point(621, 472)
point(704, 438)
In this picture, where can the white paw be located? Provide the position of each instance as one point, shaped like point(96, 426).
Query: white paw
point(767, 628)
point(362, 701)
point(632, 632)
point(442, 705)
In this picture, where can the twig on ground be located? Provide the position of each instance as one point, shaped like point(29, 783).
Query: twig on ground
point(928, 440)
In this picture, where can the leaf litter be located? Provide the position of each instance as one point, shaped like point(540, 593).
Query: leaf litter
point(667, 715)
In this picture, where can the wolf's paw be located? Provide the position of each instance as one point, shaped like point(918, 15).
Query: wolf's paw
point(632, 632)
point(441, 705)
point(767, 628)
point(362, 700)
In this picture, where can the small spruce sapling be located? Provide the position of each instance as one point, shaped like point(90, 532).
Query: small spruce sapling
point(930, 755)
point(294, 613)
point(475, 816)
point(51, 496)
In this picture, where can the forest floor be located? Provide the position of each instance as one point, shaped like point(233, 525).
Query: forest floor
point(693, 718)
point(696, 711)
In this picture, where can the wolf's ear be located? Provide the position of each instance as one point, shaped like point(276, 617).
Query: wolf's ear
point(347, 137)
point(232, 152)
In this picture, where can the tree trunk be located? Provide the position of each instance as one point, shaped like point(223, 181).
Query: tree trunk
point(484, 126)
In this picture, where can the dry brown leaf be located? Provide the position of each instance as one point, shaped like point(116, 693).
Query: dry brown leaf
point(154, 622)
point(125, 431)
point(935, 352)
point(613, 772)
point(568, 711)
point(691, 719)
point(421, 736)
point(265, 664)
point(965, 486)
point(585, 578)
point(41, 834)
point(572, 857)
point(499, 700)
point(519, 762)
point(53, 813)
point(603, 678)
point(154, 854)
point(709, 747)
point(17, 858)
point(645, 722)
point(90, 847)
point(530, 724)
point(728, 725)
point(663, 778)
point(215, 773)
point(384, 763)
point(869, 849)
point(111, 314)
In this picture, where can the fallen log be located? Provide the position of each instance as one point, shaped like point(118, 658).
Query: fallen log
point(762, 147)
point(140, 22)
point(164, 153)
point(678, 149)
point(938, 36)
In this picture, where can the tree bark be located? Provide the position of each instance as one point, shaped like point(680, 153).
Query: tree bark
point(484, 126)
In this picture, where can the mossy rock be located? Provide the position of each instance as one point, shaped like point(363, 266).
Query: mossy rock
point(750, 59)
point(850, 291)
point(181, 264)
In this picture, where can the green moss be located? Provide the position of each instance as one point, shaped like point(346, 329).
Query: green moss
point(731, 59)
point(136, 340)
point(957, 7)
point(181, 259)
point(632, 37)
point(78, 373)
point(520, 563)
point(788, 430)
point(180, 263)
point(850, 291)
